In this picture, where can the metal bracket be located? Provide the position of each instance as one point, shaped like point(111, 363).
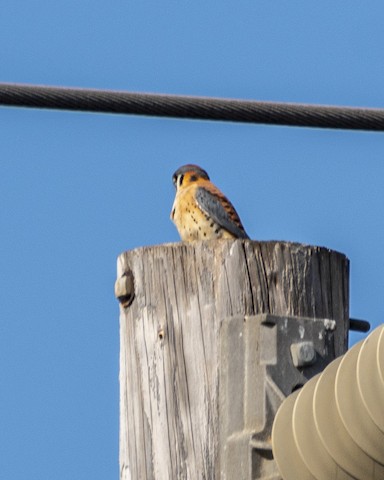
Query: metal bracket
point(263, 359)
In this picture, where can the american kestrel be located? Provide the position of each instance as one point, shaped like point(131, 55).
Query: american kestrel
point(200, 211)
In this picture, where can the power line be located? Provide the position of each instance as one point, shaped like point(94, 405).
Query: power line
point(188, 107)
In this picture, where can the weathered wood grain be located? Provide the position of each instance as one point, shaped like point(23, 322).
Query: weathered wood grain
point(169, 360)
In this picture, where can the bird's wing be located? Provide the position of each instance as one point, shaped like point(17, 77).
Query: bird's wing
point(220, 209)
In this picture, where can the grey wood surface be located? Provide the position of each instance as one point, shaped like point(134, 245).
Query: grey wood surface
point(170, 339)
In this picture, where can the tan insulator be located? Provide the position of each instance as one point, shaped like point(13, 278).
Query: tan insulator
point(333, 428)
point(290, 462)
point(370, 376)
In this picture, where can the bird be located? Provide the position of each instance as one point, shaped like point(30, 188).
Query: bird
point(200, 210)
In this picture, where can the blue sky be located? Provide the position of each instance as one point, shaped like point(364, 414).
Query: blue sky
point(77, 189)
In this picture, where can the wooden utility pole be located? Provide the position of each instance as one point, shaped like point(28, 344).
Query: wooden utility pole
point(214, 335)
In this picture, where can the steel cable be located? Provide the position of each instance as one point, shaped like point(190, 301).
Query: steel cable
point(188, 107)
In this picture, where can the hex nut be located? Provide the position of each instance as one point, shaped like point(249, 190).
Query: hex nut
point(303, 354)
point(125, 289)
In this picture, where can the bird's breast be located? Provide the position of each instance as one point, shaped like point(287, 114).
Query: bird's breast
point(191, 222)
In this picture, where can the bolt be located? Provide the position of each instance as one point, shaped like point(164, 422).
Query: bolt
point(125, 289)
point(303, 354)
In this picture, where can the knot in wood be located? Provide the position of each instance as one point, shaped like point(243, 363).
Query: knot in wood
point(160, 333)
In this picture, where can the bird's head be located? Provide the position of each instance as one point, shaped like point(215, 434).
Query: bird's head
point(188, 174)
